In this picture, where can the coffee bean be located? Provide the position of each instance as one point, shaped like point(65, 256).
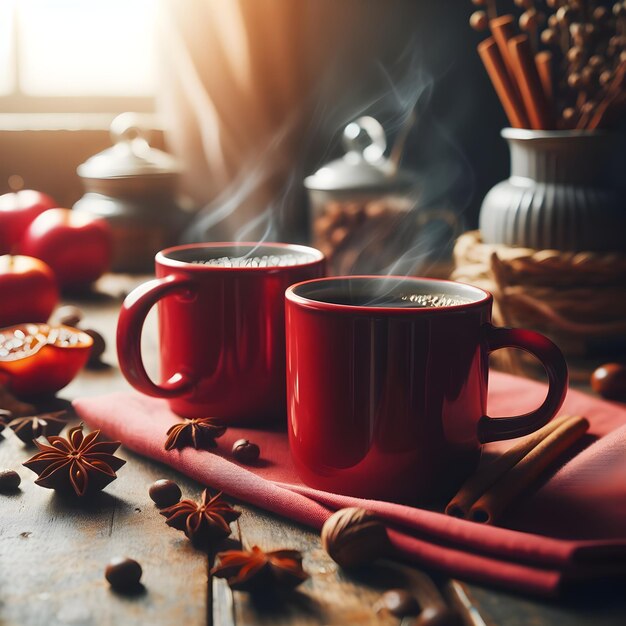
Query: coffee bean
point(98, 348)
point(245, 451)
point(399, 602)
point(123, 573)
point(9, 480)
point(164, 493)
point(609, 380)
point(69, 315)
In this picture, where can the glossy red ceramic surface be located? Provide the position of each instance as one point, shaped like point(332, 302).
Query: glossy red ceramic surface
point(222, 331)
point(390, 402)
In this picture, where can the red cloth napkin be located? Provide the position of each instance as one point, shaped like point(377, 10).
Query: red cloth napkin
point(573, 527)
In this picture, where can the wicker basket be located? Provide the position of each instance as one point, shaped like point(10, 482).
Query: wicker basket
point(576, 299)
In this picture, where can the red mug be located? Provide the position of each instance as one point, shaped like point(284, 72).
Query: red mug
point(387, 384)
point(221, 327)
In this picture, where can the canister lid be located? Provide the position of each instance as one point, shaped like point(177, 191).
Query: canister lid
point(364, 165)
point(130, 156)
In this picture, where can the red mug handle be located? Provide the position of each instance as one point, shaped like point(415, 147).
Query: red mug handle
point(494, 429)
point(129, 326)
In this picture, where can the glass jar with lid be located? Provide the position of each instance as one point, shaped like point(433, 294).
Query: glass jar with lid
point(133, 186)
point(365, 211)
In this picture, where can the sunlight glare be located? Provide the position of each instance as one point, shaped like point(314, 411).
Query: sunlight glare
point(79, 48)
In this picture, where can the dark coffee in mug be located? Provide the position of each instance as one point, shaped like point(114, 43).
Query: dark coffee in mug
point(221, 328)
point(387, 384)
point(381, 293)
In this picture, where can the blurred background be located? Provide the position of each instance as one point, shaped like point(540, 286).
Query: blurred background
point(251, 96)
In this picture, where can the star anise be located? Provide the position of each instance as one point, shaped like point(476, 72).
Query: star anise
point(256, 570)
point(33, 426)
point(199, 432)
point(203, 522)
point(79, 464)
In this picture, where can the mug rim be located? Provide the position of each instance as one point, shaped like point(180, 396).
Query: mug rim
point(162, 259)
point(291, 295)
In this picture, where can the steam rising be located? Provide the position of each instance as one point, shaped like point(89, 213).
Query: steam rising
point(255, 207)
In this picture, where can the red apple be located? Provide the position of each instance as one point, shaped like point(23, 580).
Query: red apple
point(77, 246)
point(29, 290)
point(17, 211)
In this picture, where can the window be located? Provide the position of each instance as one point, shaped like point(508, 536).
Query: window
point(77, 55)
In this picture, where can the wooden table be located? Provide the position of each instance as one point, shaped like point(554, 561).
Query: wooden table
point(53, 552)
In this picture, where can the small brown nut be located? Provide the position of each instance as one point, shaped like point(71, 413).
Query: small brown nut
point(528, 20)
point(575, 81)
point(606, 77)
point(597, 61)
point(123, 574)
point(69, 315)
point(164, 493)
point(354, 537)
point(609, 380)
point(339, 235)
point(334, 210)
point(548, 37)
point(98, 348)
point(245, 451)
point(322, 225)
point(479, 20)
point(600, 14)
point(575, 54)
point(399, 602)
point(439, 616)
point(9, 481)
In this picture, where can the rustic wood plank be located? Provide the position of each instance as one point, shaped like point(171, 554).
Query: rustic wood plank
point(53, 552)
point(600, 604)
point(330, 596)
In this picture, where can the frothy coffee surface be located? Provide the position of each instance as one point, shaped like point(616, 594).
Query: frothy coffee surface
point(429, 300)
point(272, 260)
point(396, 300)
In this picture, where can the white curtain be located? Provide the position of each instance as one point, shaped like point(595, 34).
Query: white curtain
point(254, 92)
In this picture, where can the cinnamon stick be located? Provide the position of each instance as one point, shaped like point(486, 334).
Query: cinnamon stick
point(503, 29)
point(490, 506)
point(543, 62)
point(512, 104)
point(534, 99)
point(489, 473)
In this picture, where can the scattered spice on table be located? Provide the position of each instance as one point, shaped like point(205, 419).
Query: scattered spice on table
point(199, 433)
point(256, 570)
point(354, 537)
point(206, 522)
point(97, 350)
point(79, 464)
point(245, 451)
point(123, 574)
point(30, 427)
point(9, 481)
point(68, 315)
point(164, 493)
point(609, 380)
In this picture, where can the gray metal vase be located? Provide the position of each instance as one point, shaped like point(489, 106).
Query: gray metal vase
point(563, 193)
